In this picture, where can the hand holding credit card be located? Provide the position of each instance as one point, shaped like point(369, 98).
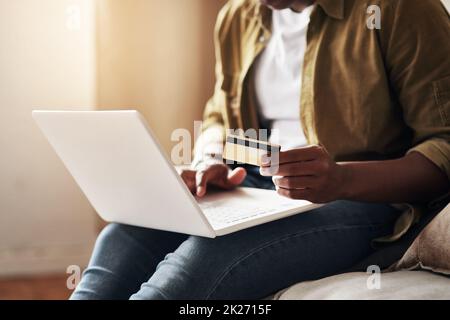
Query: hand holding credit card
point(242, 150)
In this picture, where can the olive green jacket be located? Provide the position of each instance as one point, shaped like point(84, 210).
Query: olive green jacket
point(367, 94)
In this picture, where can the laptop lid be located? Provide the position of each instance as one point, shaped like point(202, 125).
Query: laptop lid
point(122, 170)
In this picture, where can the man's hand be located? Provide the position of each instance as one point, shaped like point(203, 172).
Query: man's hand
point(307, 173)
point(217, 175)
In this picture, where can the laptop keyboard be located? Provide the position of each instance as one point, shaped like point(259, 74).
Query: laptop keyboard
point(226, 209)
point(223, 215)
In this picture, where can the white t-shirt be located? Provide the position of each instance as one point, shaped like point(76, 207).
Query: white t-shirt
point(278, 77)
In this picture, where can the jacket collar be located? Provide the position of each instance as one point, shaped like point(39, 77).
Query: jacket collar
point(333, 8)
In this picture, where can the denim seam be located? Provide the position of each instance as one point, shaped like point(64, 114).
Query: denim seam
point(165, 297)
point(174, 264)
point(278, 241)
point(121, 279)
point(84, 292)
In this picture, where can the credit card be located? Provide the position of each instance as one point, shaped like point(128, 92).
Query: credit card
point(242, 150)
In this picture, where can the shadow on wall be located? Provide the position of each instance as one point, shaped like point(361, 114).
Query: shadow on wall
point(158, 57)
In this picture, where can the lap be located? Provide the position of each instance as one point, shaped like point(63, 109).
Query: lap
point(258, 261)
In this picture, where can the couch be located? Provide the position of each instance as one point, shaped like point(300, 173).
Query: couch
point(422, 273)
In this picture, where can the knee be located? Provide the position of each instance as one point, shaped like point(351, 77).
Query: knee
point(111, 229)
point(190, 272)
point(201, 255)
point(112, 232)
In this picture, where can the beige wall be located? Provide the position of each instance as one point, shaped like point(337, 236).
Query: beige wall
point(158, 57)
point(45, 221)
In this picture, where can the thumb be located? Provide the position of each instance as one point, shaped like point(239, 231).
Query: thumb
point(237, 176)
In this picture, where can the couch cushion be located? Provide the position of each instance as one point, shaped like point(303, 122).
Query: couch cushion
point(431, 249)
point(399, 285)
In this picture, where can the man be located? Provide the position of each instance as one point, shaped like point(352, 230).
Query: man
point(363, 115)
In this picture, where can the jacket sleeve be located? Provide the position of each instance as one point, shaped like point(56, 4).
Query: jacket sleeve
point(417, 58)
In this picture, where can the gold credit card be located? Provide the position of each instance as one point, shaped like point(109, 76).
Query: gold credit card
point(242, 150)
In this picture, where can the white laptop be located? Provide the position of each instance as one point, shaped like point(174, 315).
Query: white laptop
point(126, 176)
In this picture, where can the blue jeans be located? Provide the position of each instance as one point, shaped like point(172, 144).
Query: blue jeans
point(137, 263)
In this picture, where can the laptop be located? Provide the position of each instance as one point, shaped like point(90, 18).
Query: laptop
point(127, 177)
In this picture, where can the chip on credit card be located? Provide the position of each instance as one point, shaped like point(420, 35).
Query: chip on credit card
point(242, 150)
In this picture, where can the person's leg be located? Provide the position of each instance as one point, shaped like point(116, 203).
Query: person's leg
point(123, 258)
point(254, 263)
